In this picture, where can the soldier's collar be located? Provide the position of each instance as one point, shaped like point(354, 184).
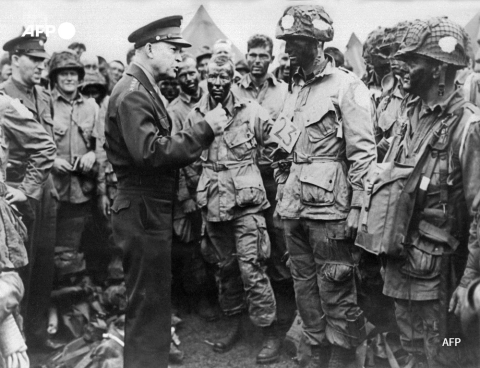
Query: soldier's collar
point(448, 105)
point(232, 102)
point(185, 97)
point(57, 95)
point(322, 66)
point(246, 80)
point(23, 88)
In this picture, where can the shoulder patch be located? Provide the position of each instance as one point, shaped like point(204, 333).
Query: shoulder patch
point(21, 109)
point(362, 97)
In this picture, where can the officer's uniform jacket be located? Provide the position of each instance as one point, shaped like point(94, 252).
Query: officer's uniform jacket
point(37, 99)
point(231, 185)
point(270, 96)
point(137, 132)
point(463, 160)
point(25, 139)
point(336, 146)
point(74, 122)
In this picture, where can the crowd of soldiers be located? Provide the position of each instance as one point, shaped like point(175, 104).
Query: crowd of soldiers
point(304, 193)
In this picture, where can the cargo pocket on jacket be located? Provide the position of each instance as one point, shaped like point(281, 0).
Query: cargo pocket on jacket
point(156, 214)
point(321, 121)
point(59, 133)
point(423, 258)
point(249, 190)
point(202, 191)
point(317, 183)
point(240, 141)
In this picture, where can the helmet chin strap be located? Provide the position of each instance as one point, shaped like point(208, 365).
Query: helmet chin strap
point(441, 82)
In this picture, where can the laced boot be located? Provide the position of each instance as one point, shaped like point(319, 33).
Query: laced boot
point(271, 345)
point(342, 358)
point(320, 355)
point(233, 334)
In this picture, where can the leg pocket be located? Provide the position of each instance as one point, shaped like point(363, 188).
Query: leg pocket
point(155, 213)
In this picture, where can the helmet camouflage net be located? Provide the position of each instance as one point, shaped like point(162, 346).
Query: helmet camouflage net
point(65, 60)
point(393, 37)
point(437, 38)
point(305, 21)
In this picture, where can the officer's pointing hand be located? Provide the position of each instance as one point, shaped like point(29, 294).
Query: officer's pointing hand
point(217, 119)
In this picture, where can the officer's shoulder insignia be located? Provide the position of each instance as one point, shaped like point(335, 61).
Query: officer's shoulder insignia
point(21, 109)
point(133, 85)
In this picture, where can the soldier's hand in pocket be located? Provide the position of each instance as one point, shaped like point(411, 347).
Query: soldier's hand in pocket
point(217, 119)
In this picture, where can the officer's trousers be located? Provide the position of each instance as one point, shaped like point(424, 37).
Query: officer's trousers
point(241, 247)
point(322, 265)
point(142, 228)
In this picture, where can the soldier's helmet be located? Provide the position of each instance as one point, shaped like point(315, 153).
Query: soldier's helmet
point(64, 60)
point(393, 37)
point(437, 38)
point(305, 21)
point(371, 47)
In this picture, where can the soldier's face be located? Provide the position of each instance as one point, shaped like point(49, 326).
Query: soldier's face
point(67, 81)
point(219, 80)
point(165, 59)
point(420, 75)
point(30, 68)
point(258, 60)
point(301, 51)
point(169, 88)
point(202, 67)
point(188, 77)
point(116, 71)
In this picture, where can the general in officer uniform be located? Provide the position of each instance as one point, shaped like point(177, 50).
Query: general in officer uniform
point(145, 158)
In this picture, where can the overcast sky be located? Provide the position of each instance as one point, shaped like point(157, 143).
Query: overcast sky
point(104, 25)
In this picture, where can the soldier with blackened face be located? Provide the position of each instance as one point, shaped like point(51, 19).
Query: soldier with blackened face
point(326, 128)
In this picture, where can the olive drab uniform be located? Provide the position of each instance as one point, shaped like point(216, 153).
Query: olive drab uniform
point(144, 157)
point(41, 242)
point(332, 113)
point(419, 277)
point(421, 280)
point(232, 197)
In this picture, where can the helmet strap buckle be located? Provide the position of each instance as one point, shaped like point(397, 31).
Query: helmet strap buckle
point(441, 82)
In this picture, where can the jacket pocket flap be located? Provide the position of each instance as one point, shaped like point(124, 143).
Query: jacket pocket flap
point(120, 204)
point(318, 111)
point(322, 176)
point(252, 181)
point(237, 137)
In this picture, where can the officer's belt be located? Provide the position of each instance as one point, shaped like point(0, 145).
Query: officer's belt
point(226, 165)
point(160, 182)
point(305, 159)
